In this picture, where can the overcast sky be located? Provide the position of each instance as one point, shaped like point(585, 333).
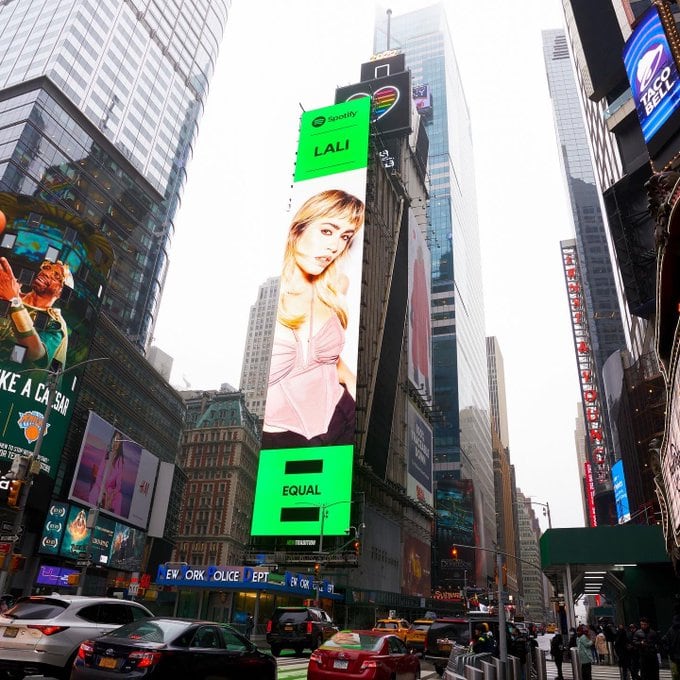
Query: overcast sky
point(277, 57)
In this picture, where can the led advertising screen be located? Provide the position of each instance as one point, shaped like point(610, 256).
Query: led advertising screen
point(416, 562)
point(419, 467)
point(419, 303)
point(53, 529)
point(305, 467)
point(422, 98)
point(114, 473)
point(620, 492)
point(653, 73)
point(670, 451)
point(53, 269)
point(54, 576)
point(391, 100)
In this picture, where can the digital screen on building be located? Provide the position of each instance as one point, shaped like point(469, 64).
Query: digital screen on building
point(422, 97)
point(391, 98)
point(53, 529)
point(114, 473)
point(670, 451)
point(652, 72)
point(419, 464)
point(620, 492)
point(54, 576)
point(416, 567)
point(53, 269)
point(305, 467)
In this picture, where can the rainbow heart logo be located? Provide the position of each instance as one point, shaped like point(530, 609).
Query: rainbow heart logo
point(384, 100)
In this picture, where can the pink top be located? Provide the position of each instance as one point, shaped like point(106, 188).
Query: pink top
point(302, 395)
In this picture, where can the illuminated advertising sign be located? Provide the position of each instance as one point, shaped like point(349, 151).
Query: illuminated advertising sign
point(590, 493)
point(53, 268)
point(652, 72)
point(391, 98)
point(590, 393)
point(416, 563)
point(127, 548)
point(422, 98)
point(53, 529)
point(114, 473)
point(620, 492)
point(76, 538)
point(305, 467)
point(419, 466)
point(54, 576)
point(670, 452)
point(419, 329)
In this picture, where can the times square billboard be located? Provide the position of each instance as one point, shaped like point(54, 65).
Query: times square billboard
point(304, 479)
point(53, 270)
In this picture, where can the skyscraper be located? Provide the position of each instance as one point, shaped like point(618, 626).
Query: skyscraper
point(258, 349)
point(601, 311)
point(462, 433)
point(99, 102)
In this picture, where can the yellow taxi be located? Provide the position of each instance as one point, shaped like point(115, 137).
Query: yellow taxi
point(415, 637)
point(397, 626)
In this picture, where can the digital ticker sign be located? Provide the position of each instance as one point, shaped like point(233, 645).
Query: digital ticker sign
point(304, 480)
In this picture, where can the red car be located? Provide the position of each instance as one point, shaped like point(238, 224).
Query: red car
point(364, 655)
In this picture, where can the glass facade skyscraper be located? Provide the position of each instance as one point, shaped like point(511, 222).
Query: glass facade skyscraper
point(462, 438)
point(99, 101)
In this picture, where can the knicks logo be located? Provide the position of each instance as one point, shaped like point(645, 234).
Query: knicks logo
point(32, 422)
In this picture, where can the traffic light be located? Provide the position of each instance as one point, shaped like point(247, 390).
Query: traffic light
point(317, 570)
point(356, 546)
point(454, 552)
point(17, 563)
point(14, 493)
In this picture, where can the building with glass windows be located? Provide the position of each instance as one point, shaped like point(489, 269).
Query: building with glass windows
point(99, 102)
point(462, 432)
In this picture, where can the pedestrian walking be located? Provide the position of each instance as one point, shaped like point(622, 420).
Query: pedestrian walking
point(634, 657)
point(584, 645)
point(646, 641)
point(557, 652)
point(250, 624)
point(671, 643)
point(622, 651)
point(601, 647)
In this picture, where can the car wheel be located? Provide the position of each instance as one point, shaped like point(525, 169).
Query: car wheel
point(317, 643)
point(439, 670)
point(65, 674)
point(276, 651)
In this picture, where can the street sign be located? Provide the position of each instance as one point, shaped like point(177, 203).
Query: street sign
point(82, 563)
point(133, 589)
point(7, 526)
point(84, 556)
point(9, 537)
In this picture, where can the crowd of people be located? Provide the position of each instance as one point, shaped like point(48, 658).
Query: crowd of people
point(637, 650)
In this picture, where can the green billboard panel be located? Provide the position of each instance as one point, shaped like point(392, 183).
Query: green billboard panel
point(333, 139)
point(303, 492)
point(53, 270)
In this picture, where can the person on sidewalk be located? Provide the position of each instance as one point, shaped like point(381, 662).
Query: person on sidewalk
point(622, 651)
point(601, 646)
point(646, 642)
point(671, 643)
point(584, 645)
point(557, 652)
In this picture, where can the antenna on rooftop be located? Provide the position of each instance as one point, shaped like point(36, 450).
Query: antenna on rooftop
point(389, 17)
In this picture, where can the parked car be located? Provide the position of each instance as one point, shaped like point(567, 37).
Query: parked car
point(370, 654)
point(399, 627)
point(172, 649)
point(415, 637)
point(41, 634)
point(298, 628)
point(444, 635)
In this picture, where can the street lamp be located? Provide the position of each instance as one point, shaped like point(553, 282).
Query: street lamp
point(33, 467)
point(546, 508)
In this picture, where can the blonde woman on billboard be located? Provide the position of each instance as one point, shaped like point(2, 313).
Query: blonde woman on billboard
point(311, 394)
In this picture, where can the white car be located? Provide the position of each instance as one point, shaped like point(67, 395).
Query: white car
point(41, 634)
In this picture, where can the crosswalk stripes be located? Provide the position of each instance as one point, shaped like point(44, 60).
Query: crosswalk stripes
point(599, 672)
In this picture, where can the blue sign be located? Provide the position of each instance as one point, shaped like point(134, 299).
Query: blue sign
point(620, 492)
point(652, 72)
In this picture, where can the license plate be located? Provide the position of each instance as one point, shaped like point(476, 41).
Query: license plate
point(341, 664)
point(107, 663)
point(288, 627)
point(10, 631)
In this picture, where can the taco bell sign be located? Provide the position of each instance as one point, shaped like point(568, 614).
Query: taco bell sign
point(652, 72)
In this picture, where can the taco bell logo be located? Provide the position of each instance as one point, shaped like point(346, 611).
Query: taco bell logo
point(31, 422)
point(654, 77)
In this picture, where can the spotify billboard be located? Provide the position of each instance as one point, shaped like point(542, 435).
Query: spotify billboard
point(304, 480)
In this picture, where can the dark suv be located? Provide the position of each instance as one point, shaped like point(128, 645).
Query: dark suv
point(298, 628)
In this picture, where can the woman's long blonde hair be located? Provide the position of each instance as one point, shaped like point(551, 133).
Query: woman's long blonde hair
point(331, 204)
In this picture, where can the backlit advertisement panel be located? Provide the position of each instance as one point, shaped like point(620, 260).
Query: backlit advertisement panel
point(308, 432)
point(416, 569)
point(53, 529)
point(620, 492)
point(54, 576)
point(419, 466)
point(391, 100)
point(53, 269)
point(670, 451)
point(114, 473)
point(419, 303)
point(652, 72)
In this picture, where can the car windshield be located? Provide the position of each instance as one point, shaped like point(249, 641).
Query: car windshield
point(37, 608)
point(346, 639)
point(150, 631)
point(387, 625)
